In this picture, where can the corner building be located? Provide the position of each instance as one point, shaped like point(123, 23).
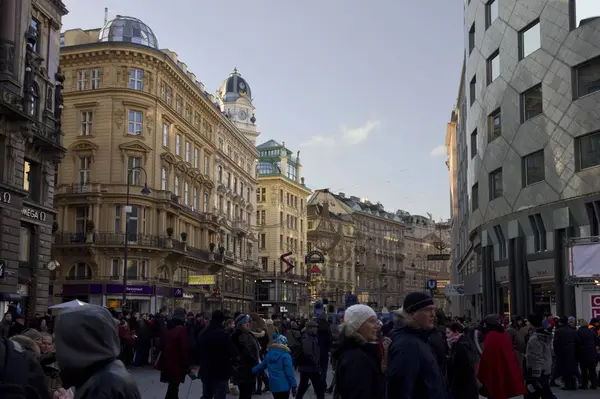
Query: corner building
point(31, 145)
point(532, 72)
point(132, 108)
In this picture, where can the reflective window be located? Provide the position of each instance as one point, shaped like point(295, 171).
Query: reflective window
point(475, 196)
point(135, 165)
point(474, 143)
point(585, 9)
point(136, 79)
point(588, 77)
point(163, 178)
point(129, 30)
point(491, 12)
point(534, 168)
point(165, 135)
point(34, 29)
point(496, 184)
point(135, 123)
point(531, 103)
point(494, 125)
point(530, 40)
point(589, 150)
point(86, 123)
point(493, 67)
point(472, 38)
point(472, 90)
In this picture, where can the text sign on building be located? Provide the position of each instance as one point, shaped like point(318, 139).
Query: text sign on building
point(314, 257)
point(34, 214)
point(5, 198)
point(595, 305)
point(208, 279)
point(438, 257)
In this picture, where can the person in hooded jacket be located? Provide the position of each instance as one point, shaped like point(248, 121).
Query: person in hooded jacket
point(87, 351)
point(278, 362)
point(412, 371)
point(538, 360)
point(294, 338)
point(358, 372)
point(248, 356)
point(174, 360)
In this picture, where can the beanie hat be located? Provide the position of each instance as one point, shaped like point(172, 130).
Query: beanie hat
point(179, 314)
point(356, 315)
point(241, 319)
point(279, 339)
point(217, 316)
point(416, 301)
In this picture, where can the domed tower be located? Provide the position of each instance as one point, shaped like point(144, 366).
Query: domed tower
point(129, 30)
point(235, 99)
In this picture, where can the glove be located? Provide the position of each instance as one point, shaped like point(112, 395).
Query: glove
point(294, 392)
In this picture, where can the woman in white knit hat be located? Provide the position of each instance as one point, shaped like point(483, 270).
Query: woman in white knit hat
point(358, 372)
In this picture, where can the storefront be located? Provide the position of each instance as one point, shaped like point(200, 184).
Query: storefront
point(543, 288)
point(139, 297)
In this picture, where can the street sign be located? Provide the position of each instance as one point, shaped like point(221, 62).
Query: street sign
point(289, 264)
point(454, 290)
point(2, 267)
point(431, 284)
point(314, 257)
point(438, 257)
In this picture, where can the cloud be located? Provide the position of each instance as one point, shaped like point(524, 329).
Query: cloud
point(439, 151)
point(318, 140)
point(348, 136)
point(353, 136)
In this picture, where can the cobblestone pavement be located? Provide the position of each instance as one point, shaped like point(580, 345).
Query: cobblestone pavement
point(151, 388)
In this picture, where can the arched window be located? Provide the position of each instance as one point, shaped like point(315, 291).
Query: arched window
point(220, 174)
point(80, 271)
point(34, 98)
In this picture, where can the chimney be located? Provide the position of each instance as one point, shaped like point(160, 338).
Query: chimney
point(325, 211)
point(105, 15)
point(342, 195)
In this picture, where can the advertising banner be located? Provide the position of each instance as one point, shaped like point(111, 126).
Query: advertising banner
point(207, 279)
point(112, 289)
point(595, 305)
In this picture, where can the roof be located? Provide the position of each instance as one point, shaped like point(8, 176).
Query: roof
point(268, 144)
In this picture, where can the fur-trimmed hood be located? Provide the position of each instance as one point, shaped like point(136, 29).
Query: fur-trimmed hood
point(257, 323)
point(279, 346)
point(258, 334)
point(28, 344)
point(346, 334)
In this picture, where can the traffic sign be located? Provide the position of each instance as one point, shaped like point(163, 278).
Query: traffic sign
point(438, 257)
point(431, 284)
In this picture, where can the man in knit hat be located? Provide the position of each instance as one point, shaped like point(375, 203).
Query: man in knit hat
point(412, 367)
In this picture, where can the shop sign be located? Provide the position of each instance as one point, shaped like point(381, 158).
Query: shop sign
point(188, 296)
point(129, 289)
point(314, 257)
point(5, 198)
point(266, 305)
point(595, 302)
point(177, 292)
point(202, 280)
point(34, 214)
point(266, 281)
point(113, 303)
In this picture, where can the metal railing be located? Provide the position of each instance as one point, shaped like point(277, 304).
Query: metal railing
point(78, 188)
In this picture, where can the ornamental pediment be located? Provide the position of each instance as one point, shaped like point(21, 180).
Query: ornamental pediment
point(83, 145)
point(135, 146)
point(168, 157)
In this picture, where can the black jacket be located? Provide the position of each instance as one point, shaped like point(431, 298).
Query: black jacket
point(216, 353)
point(413, 372)
point(20, 368)
point(358, 372)
point(248, 352)
point(439, 344)
point(586, 344)
point(462, 369)
point(565, 344)
point(310, 357)
point(325, 336)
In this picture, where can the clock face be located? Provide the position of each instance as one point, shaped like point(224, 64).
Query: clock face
point(243, 114)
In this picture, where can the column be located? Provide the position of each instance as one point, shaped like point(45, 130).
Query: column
point(485, 271)
point(96, 210)
point(522, 276)
point(512, 278)
point(162, 222)
point(8, 21)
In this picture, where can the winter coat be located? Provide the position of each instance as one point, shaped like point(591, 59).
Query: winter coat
point(518, 342)
point(278, 362)
point(324, 334)
point(358, 371)
point(4, 329)
point(248, 355)
point(565, 346)
point(174, 361)
point(413, 371)
point(586, 344)
point(539, 353)
point(294, 338)
point(87, 347)
point(309, 361)
point(439, 344)
point(216, 353)
point(462, 369)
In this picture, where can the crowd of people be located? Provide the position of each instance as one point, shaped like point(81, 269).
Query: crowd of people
point(418, 353)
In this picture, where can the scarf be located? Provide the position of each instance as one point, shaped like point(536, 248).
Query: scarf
point(452, 340)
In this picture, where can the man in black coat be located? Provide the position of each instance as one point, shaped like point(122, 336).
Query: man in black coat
point(587, 355)
point(325, 342)
point(216, 355)
point(439, 343)
point(566, 341)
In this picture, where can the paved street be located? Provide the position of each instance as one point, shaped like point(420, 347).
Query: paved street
point(152, 388)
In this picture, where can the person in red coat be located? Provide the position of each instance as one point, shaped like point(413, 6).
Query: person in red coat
point(174, 360)
point(499, 371)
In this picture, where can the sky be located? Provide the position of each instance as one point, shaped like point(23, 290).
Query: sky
point(363, 89)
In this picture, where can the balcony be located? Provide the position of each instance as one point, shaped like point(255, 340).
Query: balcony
point(67, 189)
point(240, 227)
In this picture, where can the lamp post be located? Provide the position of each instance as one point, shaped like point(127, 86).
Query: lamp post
point(145, 191)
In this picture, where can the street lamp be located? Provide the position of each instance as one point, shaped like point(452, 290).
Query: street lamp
point(145, 191)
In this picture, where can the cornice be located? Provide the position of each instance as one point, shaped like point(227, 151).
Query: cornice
point(90, 50)
point(279, 179)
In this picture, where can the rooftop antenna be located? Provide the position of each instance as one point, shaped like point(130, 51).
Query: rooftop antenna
point(105, 15)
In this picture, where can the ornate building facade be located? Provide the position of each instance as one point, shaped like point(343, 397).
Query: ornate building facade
point(281, 199)
point(156, 163)
point(31, 145)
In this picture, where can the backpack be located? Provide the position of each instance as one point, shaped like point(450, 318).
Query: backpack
point(15, 373)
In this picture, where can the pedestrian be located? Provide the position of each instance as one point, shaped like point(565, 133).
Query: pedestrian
point(325, 339)
point(565, 344)
point(248, 356)
point(87, 351)
point(587, 355)
point(462, 364)
point(308, 363)
point(358, 374)
point(278, 363)
point(539, 360)
point(174, 359)
point(412, 367)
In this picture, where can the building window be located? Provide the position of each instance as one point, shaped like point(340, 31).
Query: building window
point(82, 215)
point(136, 79)
point(84, 170)
point(178, 145)
point(220, 174)
point(95, 74)
point(501, 242)
point(165, 135)
point(531, 103)
point(169, 95)
point(205, 202)
point(588, 150)
point(176, 185)
point(235, 185)
point(186, 193)
point(188, 151)
point(588, 77)
point(133, 223)
point(496, 184)
point(494, 125)
point(135, 173)
point(115, 268)
point(491, 13)
point(475, 197)
point(493, 67)
point(188, 113)
point(196, 158)
point(195, 199)
point(163, 179)
point(25, 243)
point(206, 165)
point(117, 219)
point(135, 123)
point(539, 233)
point(534, 167)
point(34, 100)
point(62, 40)
point(472, 90)
point(228, 179)
point(179, 104)
point(473, 143)
point(291, 172)
point(32, 179)
point(263, 241)
point(82, 80)
point(529, 39)
point(86, 123)
point(472, 38)
point(221, 144)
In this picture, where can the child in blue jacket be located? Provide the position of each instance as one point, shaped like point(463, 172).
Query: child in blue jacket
point(278, 363)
